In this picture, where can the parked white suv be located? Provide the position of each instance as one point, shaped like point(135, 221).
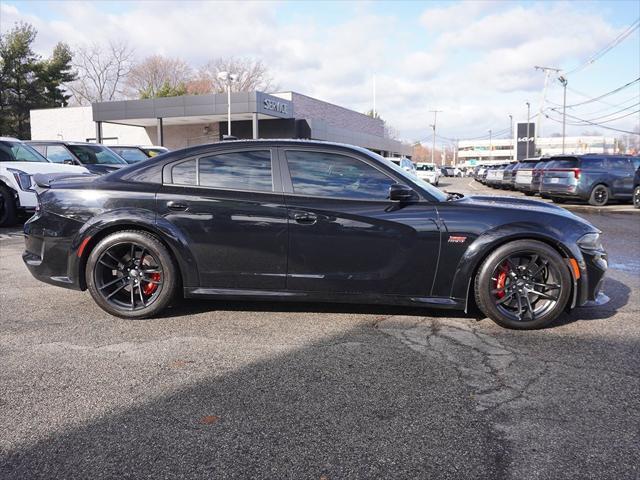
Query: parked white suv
point(18, 163)
point(428, 172)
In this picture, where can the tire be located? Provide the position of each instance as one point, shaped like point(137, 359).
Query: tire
point(558, 200)
point(599, 196)
point(636, 197)
point(109, 290)
point(512, 264)
point(8, 208)
point(529, 194)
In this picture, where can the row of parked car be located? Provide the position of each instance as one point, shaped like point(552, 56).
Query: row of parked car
point(21, 160)
point(594, 178)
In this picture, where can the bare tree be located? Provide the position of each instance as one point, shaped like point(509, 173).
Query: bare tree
point(252, 75)
point(102, 71)
point(155, 73)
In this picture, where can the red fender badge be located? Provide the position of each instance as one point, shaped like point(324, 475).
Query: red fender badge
point(457, 239)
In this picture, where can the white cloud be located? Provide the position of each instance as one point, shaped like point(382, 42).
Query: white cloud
point(472, 59)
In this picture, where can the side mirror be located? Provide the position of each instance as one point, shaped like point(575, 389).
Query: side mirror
point(401, 193)
point(68, 161)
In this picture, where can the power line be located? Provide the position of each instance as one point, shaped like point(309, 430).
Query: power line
point(595, 99)
point(587, 122)
point(610, 46)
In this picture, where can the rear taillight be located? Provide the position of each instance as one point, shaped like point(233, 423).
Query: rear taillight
point(576, 173)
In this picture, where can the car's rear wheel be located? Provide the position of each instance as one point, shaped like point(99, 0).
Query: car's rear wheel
point(599, 196)
point(8, 209)
point(529, 194)
point(558, 200)
point(131, 274)
point(523, 285)
point(636, 197)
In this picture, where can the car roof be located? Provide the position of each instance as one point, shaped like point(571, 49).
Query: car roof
point(10, 139)
point(65, 142)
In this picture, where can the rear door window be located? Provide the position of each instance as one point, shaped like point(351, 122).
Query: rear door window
point(58, 153)
point(619, 163)
point(237, 171)
point(565, 163)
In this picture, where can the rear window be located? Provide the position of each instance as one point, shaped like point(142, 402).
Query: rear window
point(594, 163)
point(620, 163)
point(564, 163)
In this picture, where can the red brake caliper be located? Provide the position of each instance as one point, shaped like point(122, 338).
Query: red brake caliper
point(502, 279)
point(149, 288)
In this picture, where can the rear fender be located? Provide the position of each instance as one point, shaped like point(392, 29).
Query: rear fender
point(100, 226)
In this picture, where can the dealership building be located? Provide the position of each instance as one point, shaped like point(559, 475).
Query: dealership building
point(182, 121)
point(525, 144)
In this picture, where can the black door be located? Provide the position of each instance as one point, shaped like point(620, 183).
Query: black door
point(621, 176)
point(345, 236)
point(229, 209)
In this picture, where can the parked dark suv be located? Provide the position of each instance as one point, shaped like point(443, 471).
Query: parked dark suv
point(96, 158)
point(591, 177)
point(636, 188)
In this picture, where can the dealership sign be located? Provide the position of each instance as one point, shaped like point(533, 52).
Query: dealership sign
point(526, 140)
point(273, 106)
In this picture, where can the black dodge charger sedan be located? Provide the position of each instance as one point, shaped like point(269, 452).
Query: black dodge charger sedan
point(306, 221)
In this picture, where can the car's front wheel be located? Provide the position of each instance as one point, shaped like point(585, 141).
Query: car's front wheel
point(636, 197)
point(523, 285)
point(599, 196)
point(131, 274)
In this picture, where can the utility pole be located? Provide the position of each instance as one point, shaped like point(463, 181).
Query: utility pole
point(528, 123)
point(490, 147)
point(547, 73)
point(511, 130)
point(563, 81)
point(433, 149)
point(374, 96)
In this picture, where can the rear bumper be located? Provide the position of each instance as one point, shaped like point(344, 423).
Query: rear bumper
point(48, 258)
point(562, 190)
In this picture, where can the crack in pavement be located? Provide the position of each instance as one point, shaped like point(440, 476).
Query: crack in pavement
point(482, 362)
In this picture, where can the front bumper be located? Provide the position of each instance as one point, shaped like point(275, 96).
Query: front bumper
point(593, 267)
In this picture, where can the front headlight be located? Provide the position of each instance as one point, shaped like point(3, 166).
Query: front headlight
point(590, 241)
point(23, 179)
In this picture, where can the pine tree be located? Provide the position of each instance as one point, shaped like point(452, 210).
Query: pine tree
point(28, 82)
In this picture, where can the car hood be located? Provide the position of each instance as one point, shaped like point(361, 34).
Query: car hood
point(517, 203)
point(33, 168)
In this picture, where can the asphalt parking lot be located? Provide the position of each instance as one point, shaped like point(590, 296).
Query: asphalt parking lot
point(265, 390)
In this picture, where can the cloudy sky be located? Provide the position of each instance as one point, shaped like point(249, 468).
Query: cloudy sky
point(472, 60)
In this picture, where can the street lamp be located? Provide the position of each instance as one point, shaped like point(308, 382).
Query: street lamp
point(228, 78)
point(563, 81)
point(528, 123)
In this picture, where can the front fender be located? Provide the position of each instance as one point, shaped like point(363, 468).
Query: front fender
point(101, 225)
point(487, 242)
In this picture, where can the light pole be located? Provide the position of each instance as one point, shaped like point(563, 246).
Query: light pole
point(528, 123)
point(490, 147)
point(228, 78)
point(433, 148)
point(563, 81)
point(511, 130)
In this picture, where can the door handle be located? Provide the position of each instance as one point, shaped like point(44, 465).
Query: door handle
point(305, 218)
point(177, 206)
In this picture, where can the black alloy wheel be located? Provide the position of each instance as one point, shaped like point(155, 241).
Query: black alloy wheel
point(524, 284)
point(558, 200)
point(131, 274)
point(636, 197)
point(8, 210)
point(599, 196)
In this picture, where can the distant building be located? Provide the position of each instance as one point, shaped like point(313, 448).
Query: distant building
point(186, 120)
point(474, 152)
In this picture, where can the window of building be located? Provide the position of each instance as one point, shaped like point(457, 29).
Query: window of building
point(240, 171)
point(333, 175)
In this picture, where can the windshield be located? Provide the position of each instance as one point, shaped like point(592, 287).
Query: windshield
point(130, 154)
point(433, 191)
point(95, 155)
point(19, 152)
